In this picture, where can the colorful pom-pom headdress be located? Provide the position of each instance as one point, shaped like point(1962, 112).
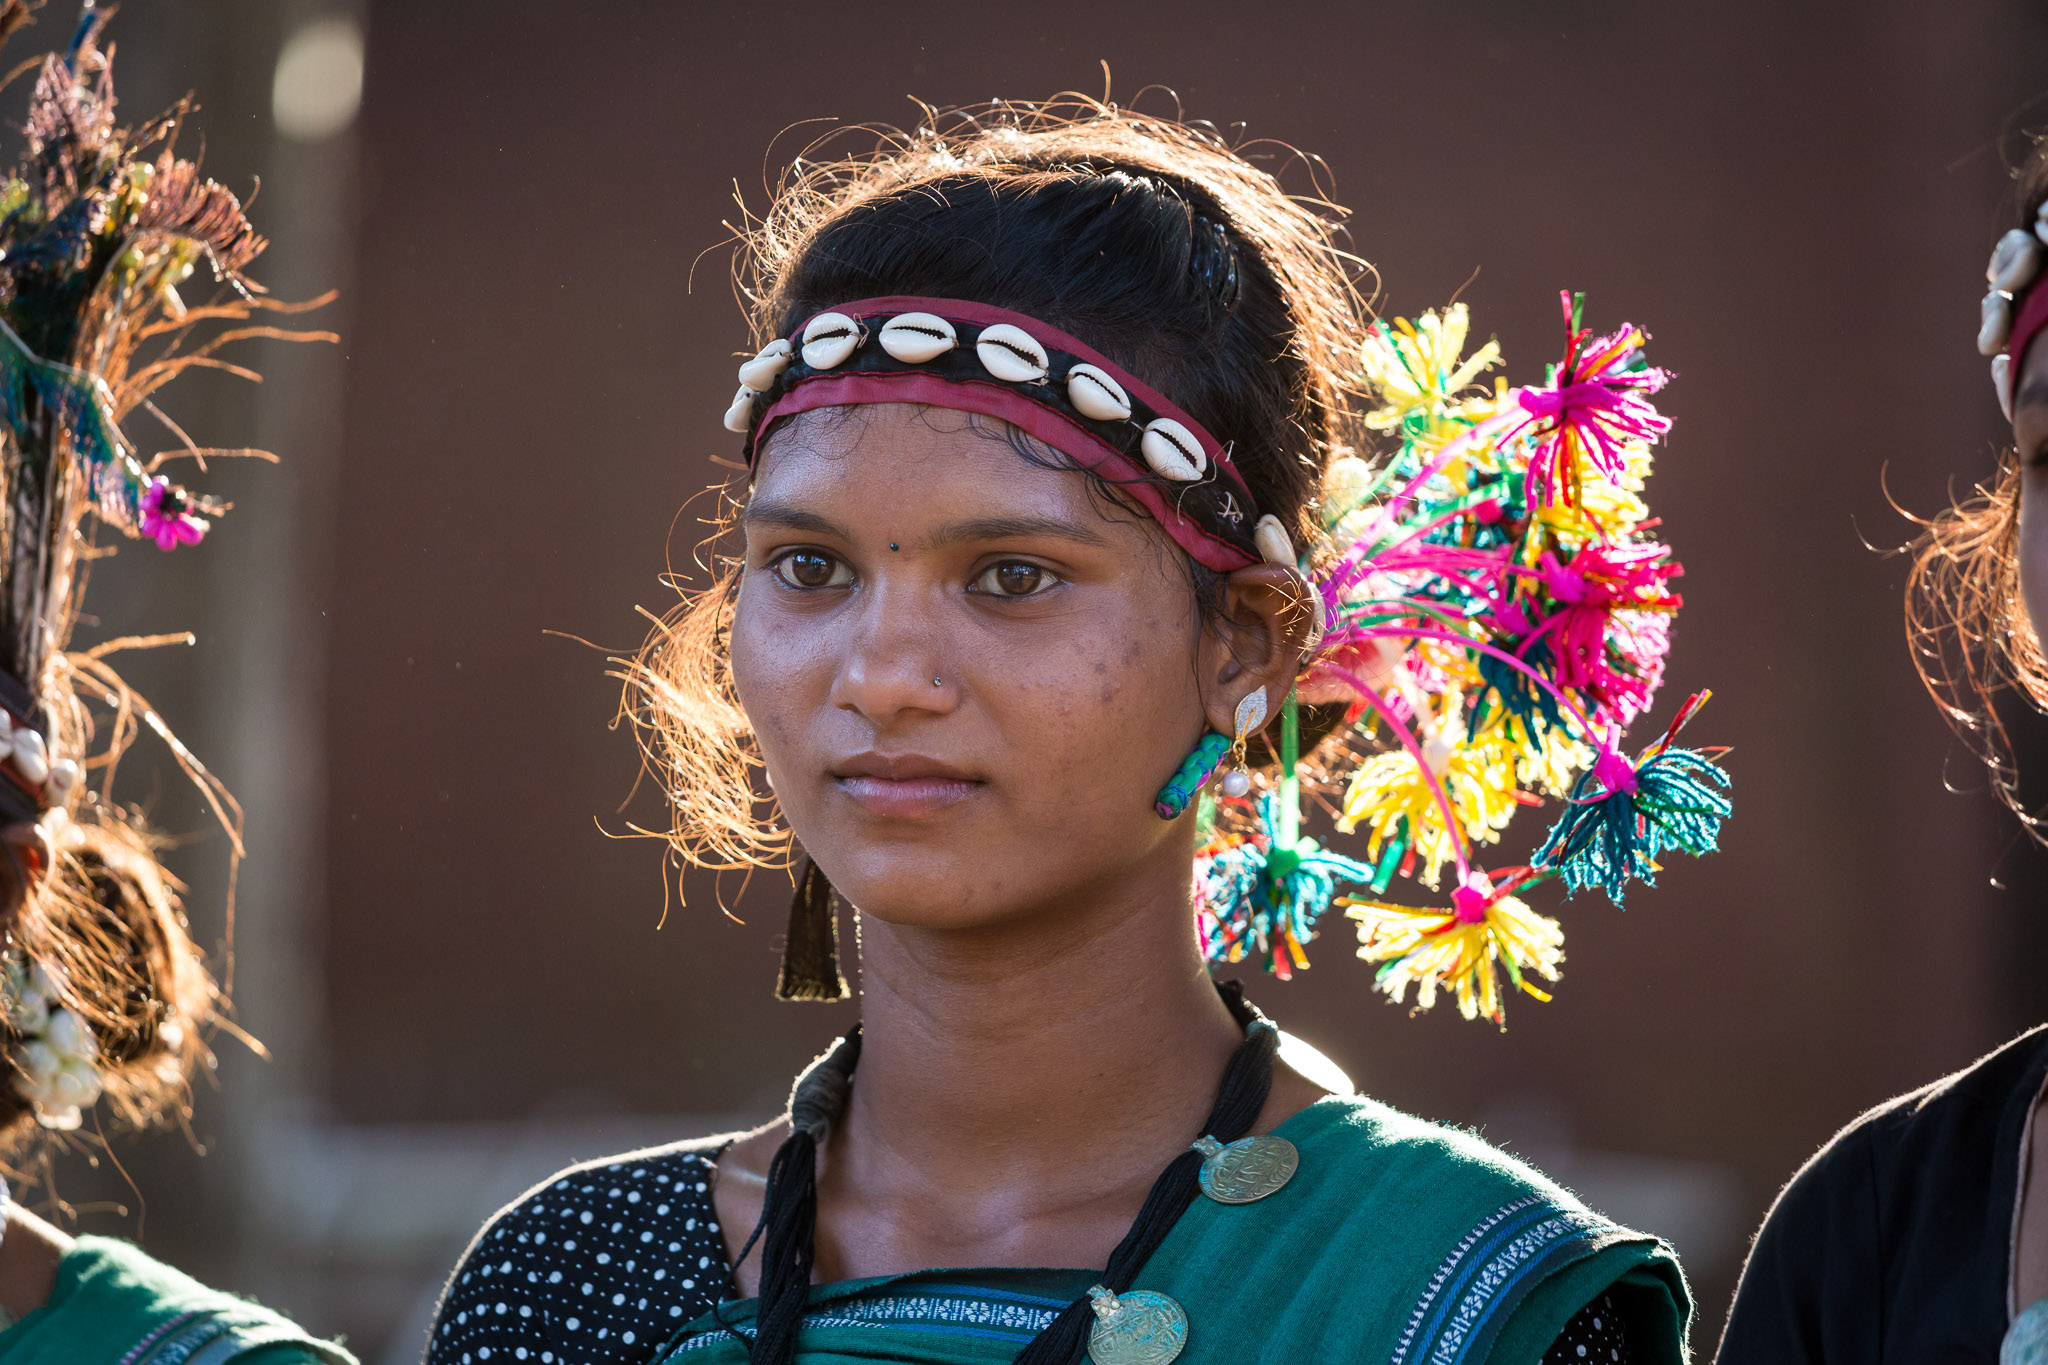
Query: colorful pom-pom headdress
point(1495, 613)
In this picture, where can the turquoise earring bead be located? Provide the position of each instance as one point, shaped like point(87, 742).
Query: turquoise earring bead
point(1194, 770)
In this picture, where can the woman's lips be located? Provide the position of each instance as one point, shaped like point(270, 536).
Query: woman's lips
point(903, 787)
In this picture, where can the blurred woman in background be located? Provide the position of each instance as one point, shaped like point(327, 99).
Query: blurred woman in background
point(104, 999)
point(1920, 1233)
point(1052, 429)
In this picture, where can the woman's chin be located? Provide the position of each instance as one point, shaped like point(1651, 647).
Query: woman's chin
point(926, 889)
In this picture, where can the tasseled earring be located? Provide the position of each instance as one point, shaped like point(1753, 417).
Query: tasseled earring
point(1200, 765)
point(810, 950)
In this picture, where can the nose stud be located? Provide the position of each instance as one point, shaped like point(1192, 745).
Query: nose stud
point(937, 683)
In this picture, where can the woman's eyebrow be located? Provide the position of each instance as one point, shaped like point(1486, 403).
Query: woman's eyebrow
point(762, 512)
point(1014, 528)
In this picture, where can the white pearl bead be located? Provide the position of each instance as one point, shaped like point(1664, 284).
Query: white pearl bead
point(1236, 782)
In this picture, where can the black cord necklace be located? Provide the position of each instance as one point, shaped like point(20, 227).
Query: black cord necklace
point(1112, 1322)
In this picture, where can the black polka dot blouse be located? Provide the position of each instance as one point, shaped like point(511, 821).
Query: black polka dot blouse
point(601, 1264)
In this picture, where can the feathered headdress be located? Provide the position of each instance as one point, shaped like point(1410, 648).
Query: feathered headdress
point(1497, 611)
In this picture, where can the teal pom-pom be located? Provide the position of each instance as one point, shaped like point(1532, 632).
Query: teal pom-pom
point(1256, 895)
point(1619, 819)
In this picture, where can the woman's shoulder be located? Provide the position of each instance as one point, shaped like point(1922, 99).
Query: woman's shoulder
point(1427, 1238)
point(1382, 1149)
point(1922, 1143)
point(113, 1301)
point(598, 1258)
point(1916, 1196)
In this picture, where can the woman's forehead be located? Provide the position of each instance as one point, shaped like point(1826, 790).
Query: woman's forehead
point(912, 462)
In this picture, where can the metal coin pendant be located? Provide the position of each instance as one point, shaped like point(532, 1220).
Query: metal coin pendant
point(1135, 1328)
point(1246, 1170)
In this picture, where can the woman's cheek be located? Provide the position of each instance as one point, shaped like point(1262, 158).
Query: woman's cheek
point(2034, 549)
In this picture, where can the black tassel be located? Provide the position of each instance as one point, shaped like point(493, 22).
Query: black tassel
point(789, 1208)
point(810, 951)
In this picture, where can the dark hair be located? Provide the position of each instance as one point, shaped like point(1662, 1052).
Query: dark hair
point(1149, 239)
point(1966, 619)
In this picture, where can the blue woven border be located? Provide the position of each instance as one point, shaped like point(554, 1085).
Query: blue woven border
point(1475, 1290)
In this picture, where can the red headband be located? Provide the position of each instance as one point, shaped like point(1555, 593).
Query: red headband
point(1211, 518)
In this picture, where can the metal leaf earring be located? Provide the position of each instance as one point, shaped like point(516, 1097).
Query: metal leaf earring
point(1200, 764)
point(1250, 719)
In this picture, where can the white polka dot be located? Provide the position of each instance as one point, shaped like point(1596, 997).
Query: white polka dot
point(627, 1338)
point(1582, 1353)
point(554, 1277)
point(604, 1258)
point(573, 1325)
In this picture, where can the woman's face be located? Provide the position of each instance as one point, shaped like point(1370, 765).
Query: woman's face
point(2030, 435)
point(968, 681)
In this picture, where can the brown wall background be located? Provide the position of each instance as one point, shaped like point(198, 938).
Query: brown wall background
point(1795, 200)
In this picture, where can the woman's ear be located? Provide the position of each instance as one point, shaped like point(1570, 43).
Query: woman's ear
point(1270, 619)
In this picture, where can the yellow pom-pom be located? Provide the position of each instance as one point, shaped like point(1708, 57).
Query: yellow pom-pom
point(1389, 791)
point(1415, 367)
point(1463, 951)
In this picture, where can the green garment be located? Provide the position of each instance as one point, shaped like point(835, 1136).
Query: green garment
point(1397, 1241)
point(112, 1305)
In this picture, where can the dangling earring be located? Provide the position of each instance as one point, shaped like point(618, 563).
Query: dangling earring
point(810, 951)
point(1200, 763)
point(1250, 719)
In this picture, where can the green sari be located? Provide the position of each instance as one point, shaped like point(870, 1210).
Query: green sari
point(112, 1305)
point(1397, 1241)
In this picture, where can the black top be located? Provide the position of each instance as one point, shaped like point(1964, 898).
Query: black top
point(600, 1264)
point(1894, 1242)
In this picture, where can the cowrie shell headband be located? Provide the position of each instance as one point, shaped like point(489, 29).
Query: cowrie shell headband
point(970, 357)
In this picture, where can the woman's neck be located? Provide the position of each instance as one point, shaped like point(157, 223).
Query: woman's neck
point(1021, 1086)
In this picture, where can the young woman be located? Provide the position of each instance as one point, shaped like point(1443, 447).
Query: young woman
point(1921, 1231)
point(1048, 402)
point(104, 999)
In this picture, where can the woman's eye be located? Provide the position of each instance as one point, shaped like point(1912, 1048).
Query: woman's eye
point(1014, 578)
point(812, 569)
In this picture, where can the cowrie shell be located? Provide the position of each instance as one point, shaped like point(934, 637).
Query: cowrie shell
point(1271, 538)
point(31, 759)
point(1997, 323)
point(758, 373)
point(1012, 354)
point(828, 339)
point(2015, 262)
point(740, 415)
point(2001, 379)
point(1095, 394)
point(1172, 451)
point(917, 337)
